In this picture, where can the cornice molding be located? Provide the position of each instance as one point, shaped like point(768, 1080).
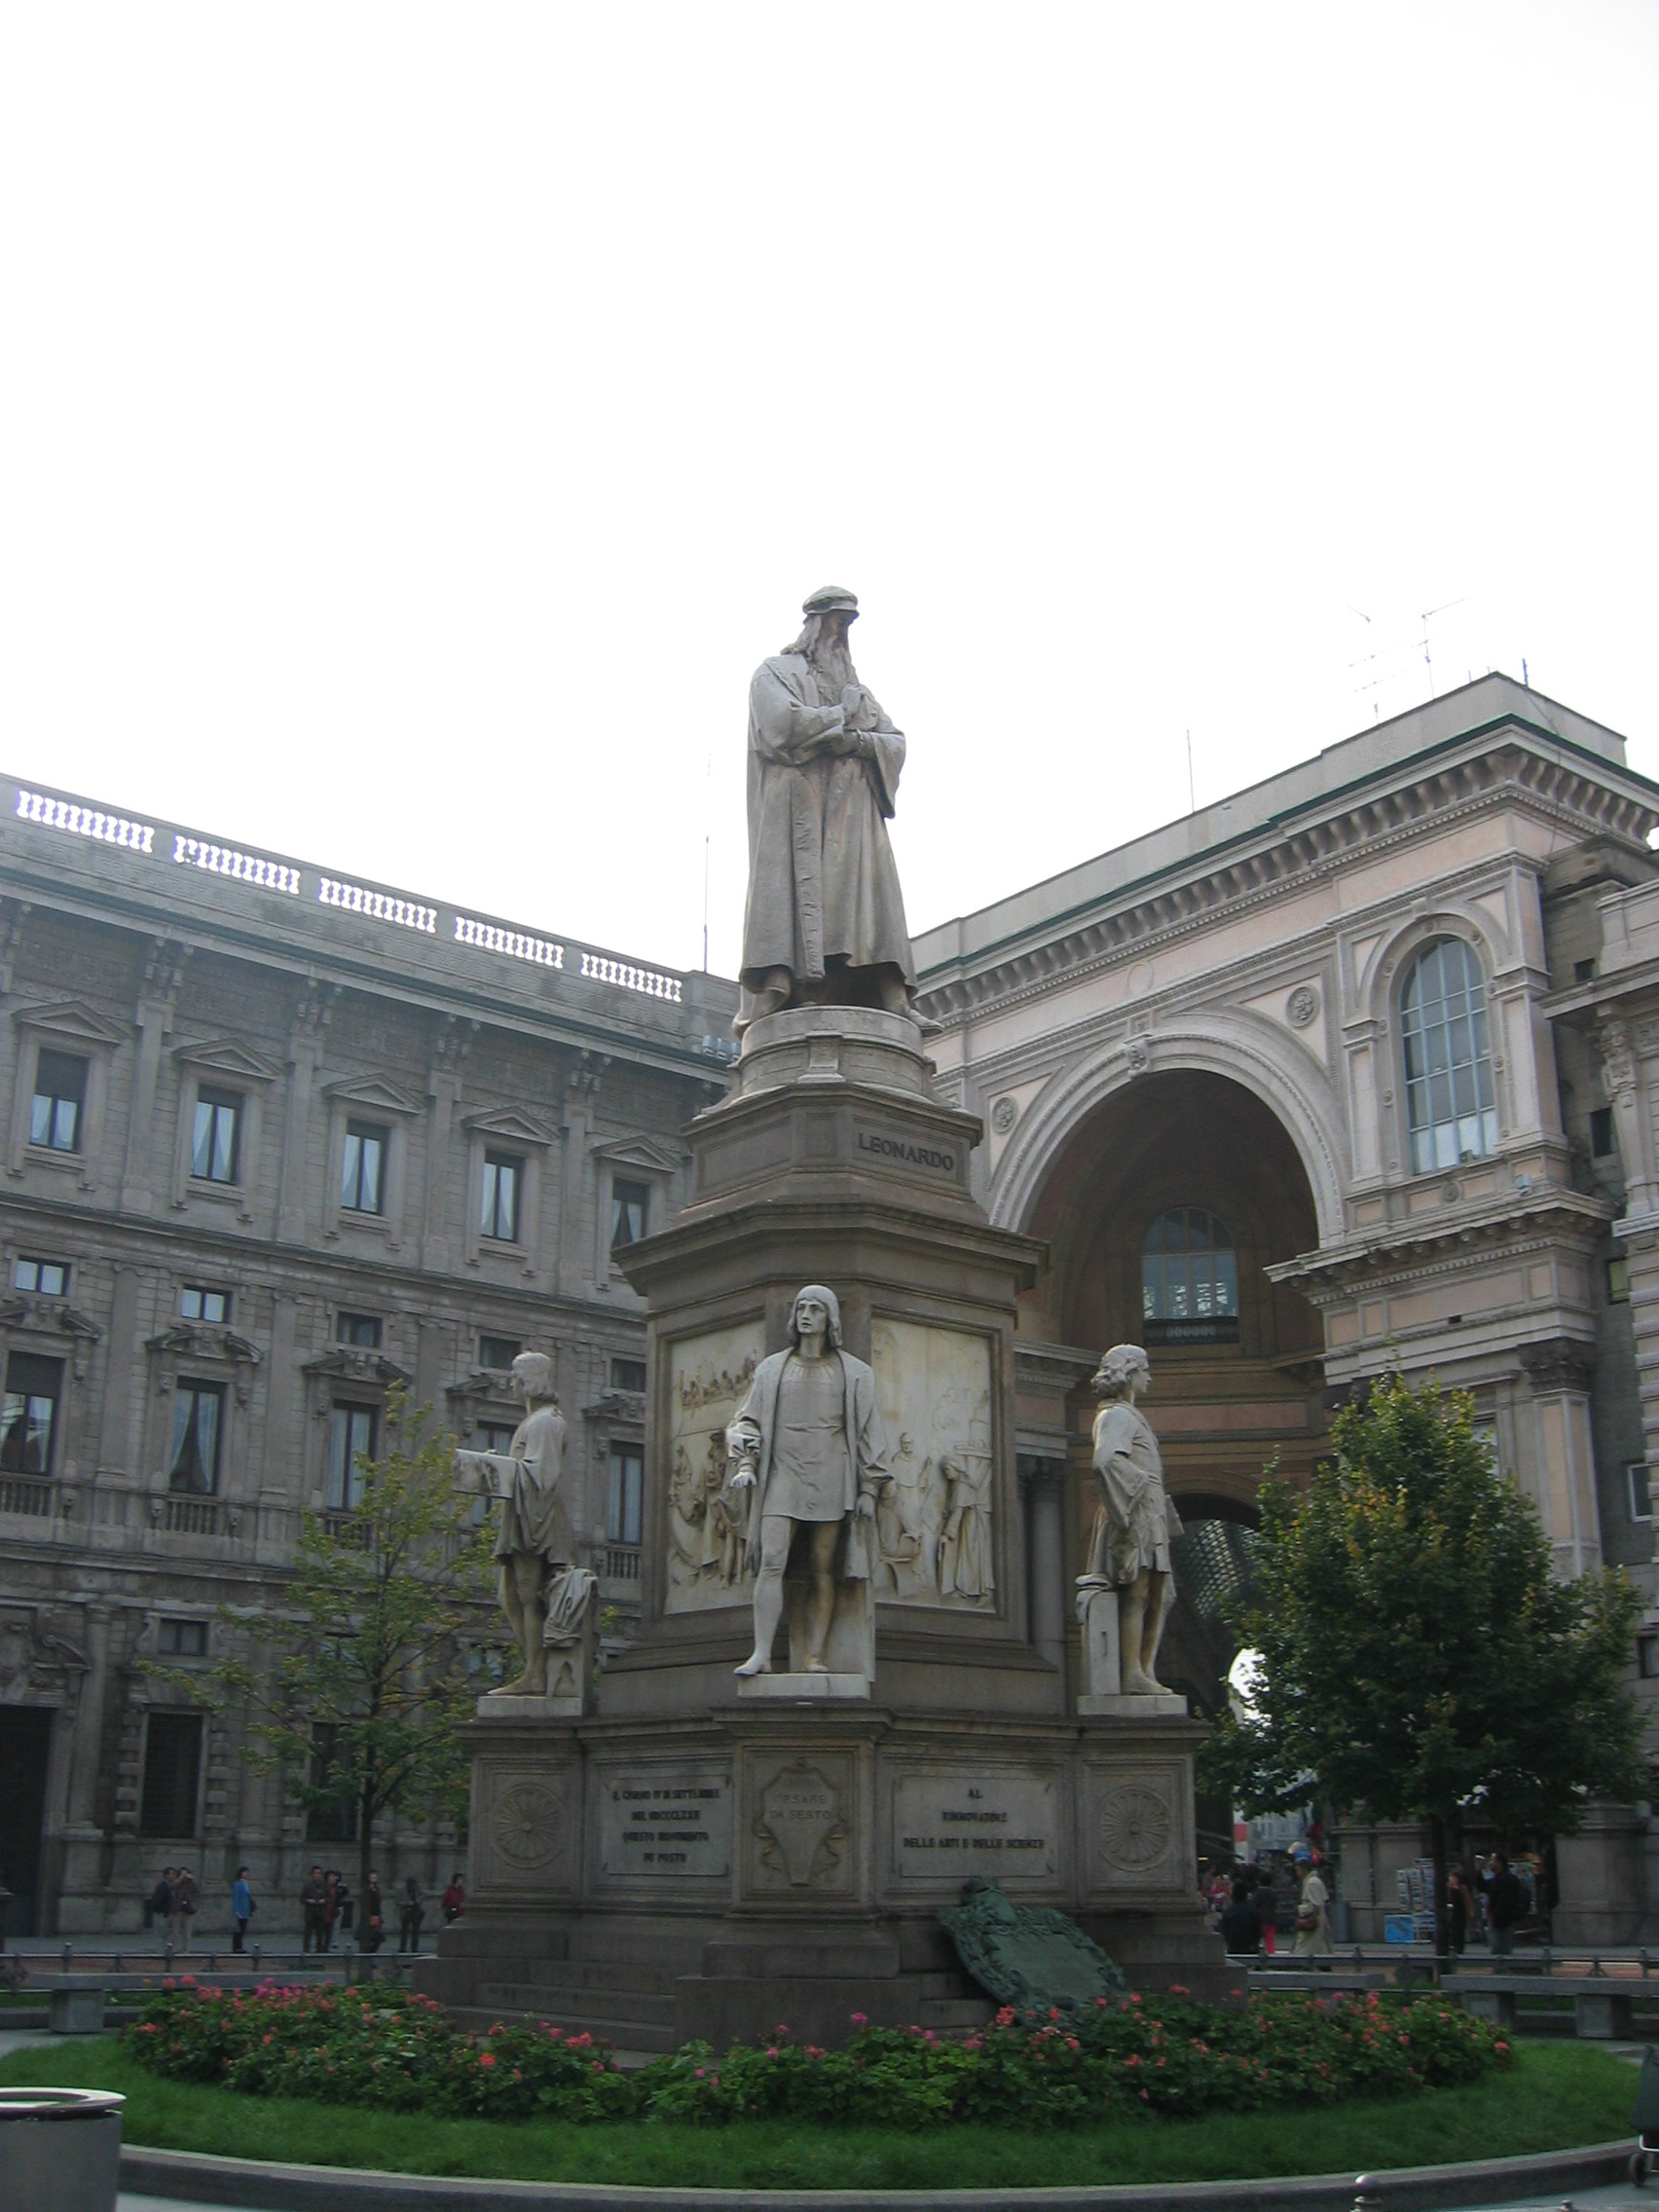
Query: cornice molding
point(1433, 1246)
point(1294, 858)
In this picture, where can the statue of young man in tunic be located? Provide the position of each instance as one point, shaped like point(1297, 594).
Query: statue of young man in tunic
point(1134, 1524)
point(808, 1441)
point(543, 1594)
point(823, 923)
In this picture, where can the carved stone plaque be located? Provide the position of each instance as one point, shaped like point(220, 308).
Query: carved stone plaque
point(656, 1824)
point(527, 1817)
point(1136, 1828)
point(707, 1379)
point(801, 1815)
point(951, 1822)
point(935, 1531)
point(1029, 1956)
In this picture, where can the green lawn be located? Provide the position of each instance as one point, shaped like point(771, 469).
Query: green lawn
point(1555, 2096)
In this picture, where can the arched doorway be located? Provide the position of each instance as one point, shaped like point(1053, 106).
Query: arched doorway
point(1162, 1212)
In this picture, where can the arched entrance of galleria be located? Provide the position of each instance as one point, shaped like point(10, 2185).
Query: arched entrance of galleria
point(1161, 1211)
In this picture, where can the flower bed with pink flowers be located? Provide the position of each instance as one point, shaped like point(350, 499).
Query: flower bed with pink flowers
point(1158, 2055)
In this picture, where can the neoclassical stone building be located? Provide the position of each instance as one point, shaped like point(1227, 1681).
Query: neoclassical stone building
point(1355, 1067)
point(277, 1139)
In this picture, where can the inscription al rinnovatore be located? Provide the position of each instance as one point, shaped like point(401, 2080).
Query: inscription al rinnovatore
point(962, 1821)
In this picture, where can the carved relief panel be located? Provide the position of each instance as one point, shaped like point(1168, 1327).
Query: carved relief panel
point(706, 1524)
point(934, 1533)
point(1136, 1828)
point(527, 1825)
point(803, 1822)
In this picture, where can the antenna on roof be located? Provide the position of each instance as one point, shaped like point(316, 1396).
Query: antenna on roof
point(1526, 681)
point(1444, 608)
point(708, 778)
point(1191, 795)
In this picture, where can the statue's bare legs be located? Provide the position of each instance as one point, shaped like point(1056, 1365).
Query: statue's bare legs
point(776, 1531)
point(1142, 1621)
point(524, 1600)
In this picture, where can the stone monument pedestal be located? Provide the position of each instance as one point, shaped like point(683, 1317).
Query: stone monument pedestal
point(708, 1855)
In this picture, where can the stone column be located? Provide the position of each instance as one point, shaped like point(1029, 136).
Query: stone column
point(1043, 1481)
point(1563, 1455)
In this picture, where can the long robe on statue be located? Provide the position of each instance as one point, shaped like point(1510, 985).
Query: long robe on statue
point(533, 1515)
point(823, 883)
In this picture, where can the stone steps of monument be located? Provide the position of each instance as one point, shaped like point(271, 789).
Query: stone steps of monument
point(636, 2037)
point(599, 1974)
point(564, 2003)
point(954, 2013)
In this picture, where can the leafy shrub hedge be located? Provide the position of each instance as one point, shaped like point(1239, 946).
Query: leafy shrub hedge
point(1170, 2055)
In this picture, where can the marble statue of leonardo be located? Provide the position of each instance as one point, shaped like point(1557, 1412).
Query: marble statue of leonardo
point(808, 1441)
point(823, 923)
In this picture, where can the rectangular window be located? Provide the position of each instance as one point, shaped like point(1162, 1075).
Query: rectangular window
point(362, 1172)
point(490, 1436)
point(361, 1329)
point(197, 1302)
point(28, 1421)
point(630, 1208)
point(336, 1821)
point(498, 1215)
point(182, 1640)
point(172, 1769)
point(1618, 1282)
point(193, 1462)
point(60, 1097)
point(1648, 1657)
point(48, 1278)
point(1641, 1497)
point(627, 1374)
point(627, 1487)
point(498, 1352)
point(213, 1140)
point(1487, 1431)
point(351, 1437)
point(1601, 1131)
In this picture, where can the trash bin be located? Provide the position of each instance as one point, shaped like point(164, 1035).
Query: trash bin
point(60, 2150)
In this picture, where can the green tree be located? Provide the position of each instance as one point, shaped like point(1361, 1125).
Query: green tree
point(1418, 1660)
point(368, 1651)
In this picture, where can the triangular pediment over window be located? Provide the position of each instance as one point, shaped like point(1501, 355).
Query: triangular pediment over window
point(353, 1363)
point(72, 1019)
point(373, 1093)
point(224, 1055)
point(641, 1152)
point(508, 1123)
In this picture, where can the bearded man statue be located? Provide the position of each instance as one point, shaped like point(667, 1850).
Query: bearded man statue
point(823, 923)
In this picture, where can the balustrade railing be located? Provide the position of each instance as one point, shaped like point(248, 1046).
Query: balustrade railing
point(30, 1496)
point(620, 1563)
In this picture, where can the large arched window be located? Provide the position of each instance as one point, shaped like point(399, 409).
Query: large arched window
point(1189, 1279)
point(1450, 1102)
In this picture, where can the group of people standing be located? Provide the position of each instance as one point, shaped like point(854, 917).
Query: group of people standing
point(1246, 1909)
point(326, 1906)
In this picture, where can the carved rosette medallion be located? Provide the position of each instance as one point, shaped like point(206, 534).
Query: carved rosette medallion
point(1135, 1829)
point(1303, 1005)
point(1004, 1114)
point(527, 1825)
point(799, 1826)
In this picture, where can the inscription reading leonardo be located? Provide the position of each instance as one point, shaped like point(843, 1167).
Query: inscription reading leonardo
point(939, 1160)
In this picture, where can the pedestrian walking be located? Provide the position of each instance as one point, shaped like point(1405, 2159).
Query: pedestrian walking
point(343, 1904)
point(453, 1902)
point(410, 1913)
point(374, 1916)
point(186, 1897)
point(330, 1907)
point(314, 1907)
point(1313, 1923)
point(1241, 1924)
point(241, 1908)
point(1506, 1903)
point(158, 1906)
point(1457, 1908)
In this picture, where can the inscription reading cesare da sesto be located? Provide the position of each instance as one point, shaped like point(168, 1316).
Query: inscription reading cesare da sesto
point(903, 1152)
point(667, 1828)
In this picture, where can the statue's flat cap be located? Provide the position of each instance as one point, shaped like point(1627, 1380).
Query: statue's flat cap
point(830, 599)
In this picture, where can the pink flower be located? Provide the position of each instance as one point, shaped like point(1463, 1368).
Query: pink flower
point(486, 2058)
point(699, 2074)
point(771, 2051)
point(860, 2019)
point(1178, 1989)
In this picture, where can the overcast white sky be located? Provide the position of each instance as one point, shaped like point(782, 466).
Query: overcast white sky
point(416, 422)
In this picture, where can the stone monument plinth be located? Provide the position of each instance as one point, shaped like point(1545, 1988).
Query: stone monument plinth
point(708, 1853)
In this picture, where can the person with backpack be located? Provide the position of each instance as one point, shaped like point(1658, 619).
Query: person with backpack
point(241, 1908)
point(374, 1916)
point(1506, 1903)
point(186, 1897)
point(410, 1913)
point(158, 1906)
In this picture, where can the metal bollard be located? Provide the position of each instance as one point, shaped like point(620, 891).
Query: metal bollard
point(256, 1957)
point(68, 1956)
